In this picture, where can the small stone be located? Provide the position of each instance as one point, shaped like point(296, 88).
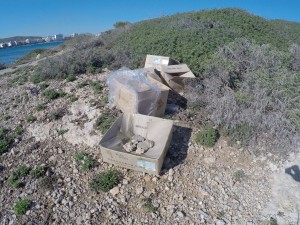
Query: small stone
point(75, 171)
point(139, 190)
point(147, 178)
point(180, 214)
point(220, 222)
point(140, 151)
point(138, 138)
point(60, 151)
point(115, 191)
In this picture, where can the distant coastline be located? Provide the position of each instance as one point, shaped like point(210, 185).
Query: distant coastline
point(10, 55)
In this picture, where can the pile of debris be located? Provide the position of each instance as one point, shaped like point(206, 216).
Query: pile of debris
point(138, 145)
point(142, 96)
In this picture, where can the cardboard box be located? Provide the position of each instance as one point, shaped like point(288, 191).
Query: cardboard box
point(163, 99)
point(157, 61)
point(175, 75)
point(132, 95)
point(152, 128)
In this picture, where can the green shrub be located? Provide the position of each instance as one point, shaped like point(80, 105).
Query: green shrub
point(19, 130)
point(105, 99)
point(105, 181)
point(5, 140)
point(148, 205)
point(239, 175)
point(22, 206)
point(97, 87)
point(43, 86)
point(273, 221)
point(30, 118)
point(6, 117)
point(73, 98)
point(241, 132)
point(40, 107)
point(71, 78)
point(104, 122)
point(56, 115)
point(82, 84)
point(208, 137)
point(86, 161)
point(22, 170)
point(38, 172)
point(61, 132)
point(13, 180)
point(53, 94)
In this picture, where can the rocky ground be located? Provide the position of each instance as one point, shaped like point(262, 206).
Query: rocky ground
point(198, 185)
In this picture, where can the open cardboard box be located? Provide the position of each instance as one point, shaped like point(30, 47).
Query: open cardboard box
point(152, 128)
point(169, 70)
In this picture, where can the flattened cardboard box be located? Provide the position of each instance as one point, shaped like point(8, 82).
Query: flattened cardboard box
point(152, 128)
point(157, 61)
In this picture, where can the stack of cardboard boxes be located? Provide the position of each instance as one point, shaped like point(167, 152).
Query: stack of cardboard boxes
point(140, 100)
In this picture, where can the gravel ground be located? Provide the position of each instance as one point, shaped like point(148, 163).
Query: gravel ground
point(198, 185)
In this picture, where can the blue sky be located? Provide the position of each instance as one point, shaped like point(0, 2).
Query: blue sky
point(46, 17)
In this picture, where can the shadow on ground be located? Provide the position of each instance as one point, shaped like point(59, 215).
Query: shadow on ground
point(294, 172)
point(178, 149)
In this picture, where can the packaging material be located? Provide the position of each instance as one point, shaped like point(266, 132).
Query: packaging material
point(169, 71)
point(157, 61)
point(164, 91)
point(132, 92)
point(174, 76)
point(124, 128)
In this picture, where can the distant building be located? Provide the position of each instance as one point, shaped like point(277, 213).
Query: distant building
point(58, 37)
point(3, 45)
point(28, 41)
point(74, 35)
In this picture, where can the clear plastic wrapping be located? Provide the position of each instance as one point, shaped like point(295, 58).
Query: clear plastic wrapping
point(130, 91)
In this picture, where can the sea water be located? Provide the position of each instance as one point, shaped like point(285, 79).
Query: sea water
point(9, 55)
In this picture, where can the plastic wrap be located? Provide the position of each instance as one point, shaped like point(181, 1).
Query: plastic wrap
point(130, 91)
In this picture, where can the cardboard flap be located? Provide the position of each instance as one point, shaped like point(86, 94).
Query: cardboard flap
point(181, 68)
point(188, 74)
point(156, 61)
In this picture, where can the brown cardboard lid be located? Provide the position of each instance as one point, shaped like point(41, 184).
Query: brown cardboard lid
point(181, 68)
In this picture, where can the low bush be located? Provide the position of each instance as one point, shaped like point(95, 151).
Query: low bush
point(6, 117)
point(86, 161)
point(22, 206)
point(239, 175)
point(5, 140)
point(19, 130)
point(104, 122)
point(82, 84)
point(14, 178)
point(149, 205)
point(97, 87)
point(40, 107)
point(208, 137)
point(53, 94)
point(105, 181)
point(30, 118)
point(38, 172)
point(43, 86)
point(61, 132)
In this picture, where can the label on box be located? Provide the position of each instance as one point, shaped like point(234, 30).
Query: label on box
point(146, 165)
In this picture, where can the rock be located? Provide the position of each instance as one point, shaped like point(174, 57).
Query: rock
point(140, 151)
point(180, 214)
point(147, 178)
point(220, 222)
point(139, 190)
point(115, 191)
point(137, 138)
